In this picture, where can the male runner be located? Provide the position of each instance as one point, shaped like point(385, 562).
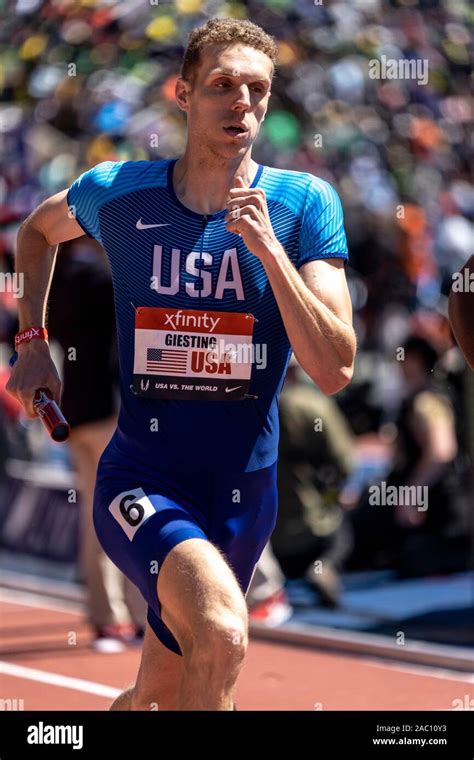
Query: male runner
point(212, 254)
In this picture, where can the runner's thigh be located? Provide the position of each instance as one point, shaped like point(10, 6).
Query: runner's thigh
point(200, 596)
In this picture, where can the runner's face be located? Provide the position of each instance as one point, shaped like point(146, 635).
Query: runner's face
point(231, 87)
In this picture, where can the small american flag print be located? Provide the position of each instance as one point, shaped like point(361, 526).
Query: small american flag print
point(166, 360)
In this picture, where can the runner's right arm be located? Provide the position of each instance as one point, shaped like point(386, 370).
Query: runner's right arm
point(37, 244)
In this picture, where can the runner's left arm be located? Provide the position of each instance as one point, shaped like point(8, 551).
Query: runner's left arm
point(312, 294)
point(316, 309)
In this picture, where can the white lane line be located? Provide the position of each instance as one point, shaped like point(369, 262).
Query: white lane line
point(54, 679)
point(423, 670)
point(32, 600)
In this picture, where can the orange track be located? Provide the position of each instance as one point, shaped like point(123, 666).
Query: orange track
point(274, 677)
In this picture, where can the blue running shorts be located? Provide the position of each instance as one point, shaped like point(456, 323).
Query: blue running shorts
point(138, 520)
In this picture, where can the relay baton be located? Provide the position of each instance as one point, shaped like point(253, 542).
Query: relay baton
point(48, 411)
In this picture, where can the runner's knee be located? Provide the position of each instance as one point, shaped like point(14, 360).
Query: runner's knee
point(220, 637)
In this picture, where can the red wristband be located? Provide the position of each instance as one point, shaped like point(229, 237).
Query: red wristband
point(29, 334)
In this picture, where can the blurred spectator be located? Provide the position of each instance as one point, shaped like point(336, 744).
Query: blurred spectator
point(428, 532)
point(315, 455)
point(81, 318)
point(267, 599)
point(13, 435)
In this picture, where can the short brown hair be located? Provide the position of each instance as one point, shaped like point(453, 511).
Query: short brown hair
point(225, 30)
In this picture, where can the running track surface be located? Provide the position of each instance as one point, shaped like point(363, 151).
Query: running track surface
point(45, 660)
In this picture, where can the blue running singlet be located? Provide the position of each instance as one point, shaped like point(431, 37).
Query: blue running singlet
point(203, 355)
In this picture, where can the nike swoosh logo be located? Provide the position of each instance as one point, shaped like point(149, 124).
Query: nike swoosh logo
point(141, 226)
point(229, 390)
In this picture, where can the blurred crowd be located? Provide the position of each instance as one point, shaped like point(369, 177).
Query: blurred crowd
point(84, 82)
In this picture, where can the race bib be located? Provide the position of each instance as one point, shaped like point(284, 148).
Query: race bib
point(191, 354)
